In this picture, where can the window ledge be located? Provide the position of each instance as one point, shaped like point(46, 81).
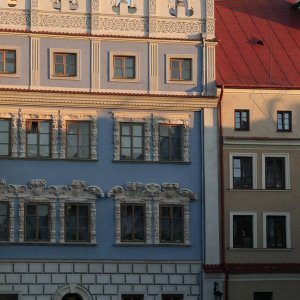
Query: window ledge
point(152, 162)
point(260, 249)
point(258, 190)
point(47, 244)
point(134, 244)
point(46, 159)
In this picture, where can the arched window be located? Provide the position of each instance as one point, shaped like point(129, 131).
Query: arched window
point(72, 296)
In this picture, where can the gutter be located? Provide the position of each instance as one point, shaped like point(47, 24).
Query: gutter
point(222, 204)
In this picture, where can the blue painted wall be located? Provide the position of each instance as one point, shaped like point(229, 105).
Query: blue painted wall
point(107, 174)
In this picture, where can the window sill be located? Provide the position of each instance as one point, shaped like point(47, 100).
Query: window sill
point(48, 243)
point(258, 190)
point(47, 159)
point(72, 78)
point(135, 244)
point(260, 249)
point(190, 82)
point(133, 80)
point(10, 75)
point(152, 162)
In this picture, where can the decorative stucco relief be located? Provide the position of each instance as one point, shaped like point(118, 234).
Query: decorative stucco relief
point(180, 119)
point(166, 193)
point(7, 195)
point(63, 118)
point(132, 118)
point(54, 21)
point(123, 24)
point(14, 18)
point(37, 192)
point(12, 3)
point(95, 5)
point(78, 192)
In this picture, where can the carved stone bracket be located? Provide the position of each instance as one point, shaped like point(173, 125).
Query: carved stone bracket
point(152, 195)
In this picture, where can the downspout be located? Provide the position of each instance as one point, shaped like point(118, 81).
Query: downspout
point(222, 204)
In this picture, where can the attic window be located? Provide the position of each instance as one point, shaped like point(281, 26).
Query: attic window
point(256, 41)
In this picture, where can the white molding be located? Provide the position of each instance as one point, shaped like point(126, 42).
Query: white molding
point(35, 61)
point(287, 227)
point(183, 56)
point(254, 168)
point(286, 167)
point(254, 226)
point(132, 117)
point(64, 50)
point(153, 67)
point(18, 61)
point(95, 65)
point(174, 119)
point(137, 65)
point(152, 195)
point(260, 142)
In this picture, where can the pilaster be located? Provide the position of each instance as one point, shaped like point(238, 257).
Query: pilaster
point(35, 62)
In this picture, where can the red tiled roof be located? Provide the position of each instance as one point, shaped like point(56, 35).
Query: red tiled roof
point(242, 62)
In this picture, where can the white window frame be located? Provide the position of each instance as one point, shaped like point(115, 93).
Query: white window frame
point(287, 226)
point(18, 61)
point(181, 56)
point(254, 227)
point(286, 166)
point(136, 55)
point(52, 51)
point(254, 169)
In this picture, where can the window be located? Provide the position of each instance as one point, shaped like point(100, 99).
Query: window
point(284, 121)
point(72, 296)
point(181, 69)
point(243, 230)
point(7, 61)
point(172, 297)
point(78, 140)
point(9, 297)
point(64, 64)
point(242, 172)
point(132, 140)
point(4, 222)
point(124, 67)
point(38, 138)
point(4, 137)
point(277, 230)
point(170, 142)
point(77, 222)
point(241, 120)
point(37, 222)
point(275, 172)
point(133, 222)
point(171, 224)
point(262, 296)
point(132, 297)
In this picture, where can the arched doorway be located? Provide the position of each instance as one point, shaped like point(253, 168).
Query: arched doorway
point(72, 292)
point(71, 296)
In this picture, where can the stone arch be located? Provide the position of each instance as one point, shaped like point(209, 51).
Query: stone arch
point(72, 289)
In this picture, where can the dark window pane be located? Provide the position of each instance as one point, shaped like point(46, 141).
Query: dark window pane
point(242, 172)
point(242, 231)
point(276, 232)
point(262, 296)
point(275, 172)
point(241, 119)
point(170, 142)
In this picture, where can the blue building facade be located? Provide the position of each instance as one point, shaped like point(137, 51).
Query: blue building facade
point(107, 127)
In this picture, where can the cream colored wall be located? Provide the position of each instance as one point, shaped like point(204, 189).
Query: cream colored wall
point(263, 108)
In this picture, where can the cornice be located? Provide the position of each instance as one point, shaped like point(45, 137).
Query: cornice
point(99, 37)
point(230, 140)
point(258, 90)
point(106, 100)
